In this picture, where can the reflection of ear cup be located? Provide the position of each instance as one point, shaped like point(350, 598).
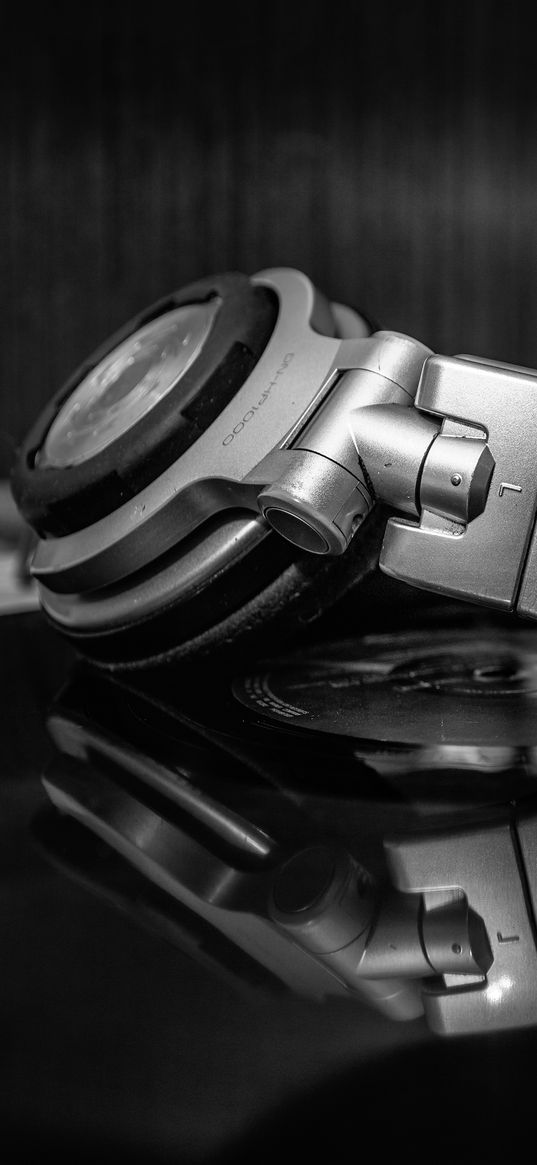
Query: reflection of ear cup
point(59, 500)
point(270, 595)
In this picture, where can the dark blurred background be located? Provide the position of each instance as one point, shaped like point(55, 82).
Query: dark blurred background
point(387, 149)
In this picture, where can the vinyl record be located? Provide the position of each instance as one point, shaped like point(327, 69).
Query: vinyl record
point(430, 689)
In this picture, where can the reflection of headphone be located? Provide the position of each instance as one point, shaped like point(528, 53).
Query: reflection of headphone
point(236, 405)
point(356, 890)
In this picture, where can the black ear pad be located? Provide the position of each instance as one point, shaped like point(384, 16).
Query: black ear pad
point(282, 592)
point(298, 597)
point(61, 500)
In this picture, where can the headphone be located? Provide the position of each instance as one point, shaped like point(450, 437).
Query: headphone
point(224, 468)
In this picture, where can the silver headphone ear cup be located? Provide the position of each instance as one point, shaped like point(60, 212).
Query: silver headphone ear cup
point(172, 572)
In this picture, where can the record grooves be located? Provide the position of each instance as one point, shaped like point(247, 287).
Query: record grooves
point(447, 687)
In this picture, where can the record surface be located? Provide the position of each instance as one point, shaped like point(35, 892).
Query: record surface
point(430, 688)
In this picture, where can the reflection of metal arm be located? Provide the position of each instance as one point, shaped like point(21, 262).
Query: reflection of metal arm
point(496, 863)
point(325, 900)
point(464, 911)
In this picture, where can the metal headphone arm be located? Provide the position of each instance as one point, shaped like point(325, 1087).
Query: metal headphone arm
point(456, 461)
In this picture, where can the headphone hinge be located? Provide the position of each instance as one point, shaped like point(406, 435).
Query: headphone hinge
point(477, 490)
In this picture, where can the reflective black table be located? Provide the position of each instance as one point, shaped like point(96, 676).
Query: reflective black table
point(234, 931)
